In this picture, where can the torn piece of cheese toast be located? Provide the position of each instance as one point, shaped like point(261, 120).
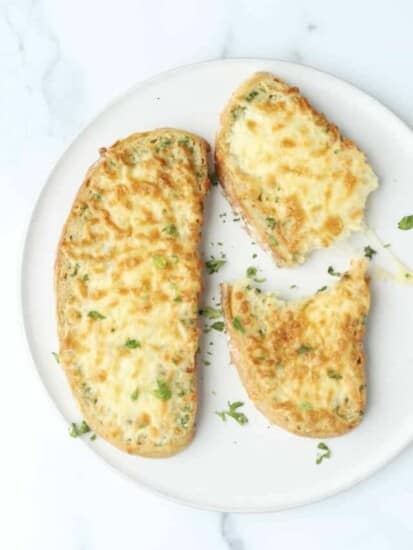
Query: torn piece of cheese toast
point(297, 183)
point(128, 279)
point(302, 362)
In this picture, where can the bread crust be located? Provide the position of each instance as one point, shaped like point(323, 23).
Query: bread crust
point(75, 224)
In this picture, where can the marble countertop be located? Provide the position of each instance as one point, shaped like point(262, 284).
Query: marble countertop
point(61, 62)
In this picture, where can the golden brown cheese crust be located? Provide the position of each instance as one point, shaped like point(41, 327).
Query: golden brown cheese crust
point(302, 362)
point(127, 284)
point(297, 183)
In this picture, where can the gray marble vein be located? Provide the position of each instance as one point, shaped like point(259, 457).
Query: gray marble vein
point(230, 538)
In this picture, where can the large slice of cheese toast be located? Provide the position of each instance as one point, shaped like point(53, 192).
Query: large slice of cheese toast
point(128, 279)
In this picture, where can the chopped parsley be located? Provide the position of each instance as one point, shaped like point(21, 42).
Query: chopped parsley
point(322, 289)
point(96, 315)
point(160, 261)
point(326, 453)
point(232, 412)
point(213, 178)
point(270, 222)
point(132, 344)
point(214, 265)
point(334, 374)
point(333, 273)
point(178, 299)
point(251, 95)
point(75, 270)
point(163, 391)
point(237, 112)
point(77, 430)
point(237, 324)
point(210, 312)
point(97, 197)
point(273, 240)
point(171, 230)
point(92, 437)
point(369, 252)
point(164, 142)
point(251, 274)
point(306, 406)
point(406, 223)
point(303, 349)
point(56, 356)
point(85, 277)
point(134, 395)
point(218, 325)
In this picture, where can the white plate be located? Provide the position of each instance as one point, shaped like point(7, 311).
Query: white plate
point(254, 467)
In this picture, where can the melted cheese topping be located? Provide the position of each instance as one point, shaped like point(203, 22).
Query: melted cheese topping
point(297, 182)
point(302, 362)
point(128, 281)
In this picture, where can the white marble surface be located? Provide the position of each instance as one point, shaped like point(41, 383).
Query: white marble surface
point(60, 63)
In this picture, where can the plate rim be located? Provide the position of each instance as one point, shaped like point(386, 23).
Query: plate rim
point(403, 443)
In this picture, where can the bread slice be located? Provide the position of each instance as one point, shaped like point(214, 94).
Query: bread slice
point(297, 183)
point(302, 362)
point(128, 279)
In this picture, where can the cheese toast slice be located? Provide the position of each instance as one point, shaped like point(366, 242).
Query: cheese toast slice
point(128, 278)
point(296, 182)
point(302, 362)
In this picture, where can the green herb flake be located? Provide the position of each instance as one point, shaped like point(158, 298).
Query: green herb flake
point(237, 112)
point(97, 196)
point(326, 453)
point(218, 325)
point(171, 230)
point(75, 270)
point(160, 262)
point(210, 312)
point(251, 274)
point(270, 222)
point(56, 356)
point(333, 273)
point(322, 289)
point(92, 437)
point(164, 142)
point(214, 265)
point(387, 245)
point(77, 430)
point(95, 315)
point(163, 391)
point(251, 95)
point(237, 324)
point(132, 344)
point(334, 375)
point(306, 406)
point(213, 178)
point(178, 299)
point(303, 349)
point(134, 395)
point(369, 252)
point(233, 412)
point(85, 277)
point(273, 240)
point(406, 223)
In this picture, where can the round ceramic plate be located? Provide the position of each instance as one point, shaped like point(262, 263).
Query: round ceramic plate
point(255, 467)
